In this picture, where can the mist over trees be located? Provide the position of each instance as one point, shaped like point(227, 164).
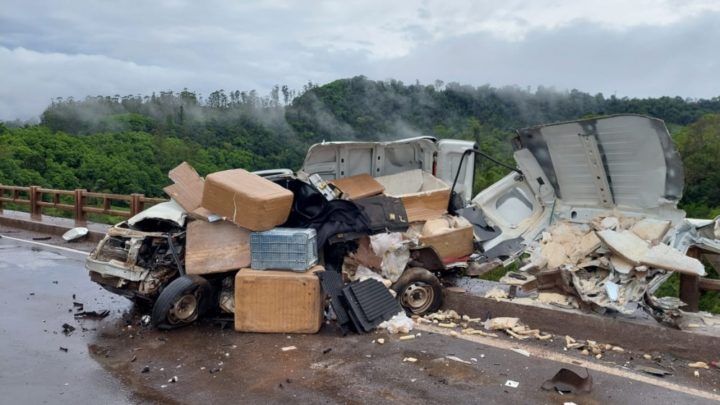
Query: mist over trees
point(127, 144)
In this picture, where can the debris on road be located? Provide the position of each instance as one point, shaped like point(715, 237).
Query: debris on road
point(521, 351)
point(288, 348)
point(699, 364)
point(67, 329)
point(653, 371)
point(75, 234)
point(92, 314)
point(568, 381)
point(363, 234)
point(512, 384)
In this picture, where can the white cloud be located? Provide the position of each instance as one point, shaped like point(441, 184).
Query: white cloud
point(87, 47)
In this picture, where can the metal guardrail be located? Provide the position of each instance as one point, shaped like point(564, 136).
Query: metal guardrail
point(38, 198)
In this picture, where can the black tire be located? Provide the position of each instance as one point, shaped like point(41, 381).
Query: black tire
point(181, 302)
point(418, 291)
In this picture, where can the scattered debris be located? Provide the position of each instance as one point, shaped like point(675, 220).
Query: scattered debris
point(145, 369)
point(67, 329)
point(457, 359)
point(521, 351)
point(75, 234)
point(399, 323)
point(42, 238)
point(699, 364)
point(92, 314)
point(288, 348)
point(512, 384)
point(409, 360)
point(496, 294)
point(568, 381)
point(653, 371)
point(407, 337)
point(63, 349)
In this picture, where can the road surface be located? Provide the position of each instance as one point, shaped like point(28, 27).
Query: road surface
point(105, 358)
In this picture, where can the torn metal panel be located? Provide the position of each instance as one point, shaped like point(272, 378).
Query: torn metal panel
point(597, 167)
point(168, 211)
point(643, 167)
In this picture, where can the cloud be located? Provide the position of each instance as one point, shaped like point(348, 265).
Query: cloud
point(32, 79)
point(644, 61)
point(84, 47)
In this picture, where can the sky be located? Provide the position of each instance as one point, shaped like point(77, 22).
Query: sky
point(79, 48)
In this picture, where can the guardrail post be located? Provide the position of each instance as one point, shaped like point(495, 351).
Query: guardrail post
point(80, 219)
point(690, 292)
point(136, 204)
point(35, 209)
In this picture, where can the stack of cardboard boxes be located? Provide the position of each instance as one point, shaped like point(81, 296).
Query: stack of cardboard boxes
point(276, 288)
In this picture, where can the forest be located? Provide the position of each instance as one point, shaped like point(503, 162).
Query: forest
point(126, 144)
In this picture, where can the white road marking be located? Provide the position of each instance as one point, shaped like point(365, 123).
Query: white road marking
point(561, 358)
point(32, 242)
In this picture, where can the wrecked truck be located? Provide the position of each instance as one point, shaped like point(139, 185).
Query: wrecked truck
point(144, 258)
point(575, 172)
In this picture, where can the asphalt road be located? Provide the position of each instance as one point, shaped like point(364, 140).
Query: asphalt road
point(105, 358)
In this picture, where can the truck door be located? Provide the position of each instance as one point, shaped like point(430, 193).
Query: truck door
point(447, 163)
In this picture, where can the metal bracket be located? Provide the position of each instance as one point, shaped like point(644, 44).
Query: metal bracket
point(602, 184)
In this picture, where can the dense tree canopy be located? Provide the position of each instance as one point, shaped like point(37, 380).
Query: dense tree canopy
point(127, 144)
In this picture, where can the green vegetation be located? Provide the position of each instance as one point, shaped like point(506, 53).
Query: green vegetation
point(127, 144)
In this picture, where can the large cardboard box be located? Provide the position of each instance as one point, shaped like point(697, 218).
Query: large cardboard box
point(423, 195)
point(246, 199)
point(274, 301)
point(216, 247)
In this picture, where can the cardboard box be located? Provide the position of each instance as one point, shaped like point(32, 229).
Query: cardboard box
point(246, 199)
point(274, 301)
point(359, 186)
point(216, 247)
point(451, 238)
point(423, 195)
point(187, 190)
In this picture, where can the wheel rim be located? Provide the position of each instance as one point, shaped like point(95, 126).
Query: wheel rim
point(184, 309)
point(417, 297)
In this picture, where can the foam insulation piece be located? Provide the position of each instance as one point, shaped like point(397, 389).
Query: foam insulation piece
point(556, 255)
point(665, 257)
point(626, 244)
point(651, 230)
point(587, 244)
point(620, 265)
point(500, 323)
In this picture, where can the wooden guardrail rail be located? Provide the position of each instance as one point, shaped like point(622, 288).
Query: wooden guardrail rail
point(38, 198)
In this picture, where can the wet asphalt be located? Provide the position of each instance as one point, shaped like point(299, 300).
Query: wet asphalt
point(116, 360)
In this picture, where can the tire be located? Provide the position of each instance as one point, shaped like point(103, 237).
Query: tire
point(418, 291)
point(181, 302)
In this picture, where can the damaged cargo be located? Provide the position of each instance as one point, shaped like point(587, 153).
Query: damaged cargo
point(590, 211)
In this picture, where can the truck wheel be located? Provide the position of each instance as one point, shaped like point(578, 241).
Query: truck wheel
point(418, 291)
point(181, 303)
